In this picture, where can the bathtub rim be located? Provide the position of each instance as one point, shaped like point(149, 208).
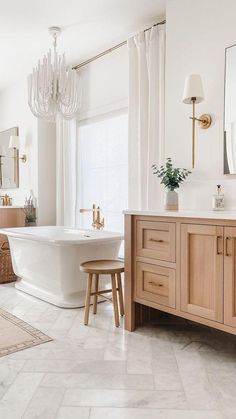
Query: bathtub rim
point(18, 234)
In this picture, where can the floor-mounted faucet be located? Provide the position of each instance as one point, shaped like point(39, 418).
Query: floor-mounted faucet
point(98, 222)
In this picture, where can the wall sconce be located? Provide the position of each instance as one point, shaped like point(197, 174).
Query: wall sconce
point(15, 144)
point(193, 93)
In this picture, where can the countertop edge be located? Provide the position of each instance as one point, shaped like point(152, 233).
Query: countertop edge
point(215, 215)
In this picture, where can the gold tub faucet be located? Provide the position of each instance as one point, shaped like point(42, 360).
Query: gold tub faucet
point(98, 222)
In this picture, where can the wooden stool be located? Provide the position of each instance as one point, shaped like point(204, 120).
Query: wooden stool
point(104, 267)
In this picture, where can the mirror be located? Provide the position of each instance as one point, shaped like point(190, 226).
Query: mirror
point(230, 111)
point(9, 161)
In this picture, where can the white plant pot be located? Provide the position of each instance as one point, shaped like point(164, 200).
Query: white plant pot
point(171, 202)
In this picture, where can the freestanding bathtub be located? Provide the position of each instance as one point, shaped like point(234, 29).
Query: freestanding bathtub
point(46, 260)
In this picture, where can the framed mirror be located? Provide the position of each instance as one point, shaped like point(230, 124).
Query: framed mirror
point(9, 160)
point(230, 111)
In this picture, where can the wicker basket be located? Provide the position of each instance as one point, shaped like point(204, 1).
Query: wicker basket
point(6, 271)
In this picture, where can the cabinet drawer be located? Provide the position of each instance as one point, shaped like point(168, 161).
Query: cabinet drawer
point(156, 240)
point(155, 284)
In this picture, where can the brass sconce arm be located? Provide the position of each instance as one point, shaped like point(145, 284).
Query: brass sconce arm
point(23, 158)
point(193, 94)
point(14, 143)
point(204, 120)
point(204, 123)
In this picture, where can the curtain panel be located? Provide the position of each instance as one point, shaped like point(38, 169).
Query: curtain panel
point(146, 116)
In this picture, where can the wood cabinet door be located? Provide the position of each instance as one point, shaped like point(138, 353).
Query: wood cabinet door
point(202, 262)
point(230, 276)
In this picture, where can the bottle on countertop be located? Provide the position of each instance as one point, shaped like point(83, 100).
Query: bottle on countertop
point(218, 203)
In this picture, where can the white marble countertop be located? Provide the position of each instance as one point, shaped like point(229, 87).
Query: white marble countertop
point(218, 215)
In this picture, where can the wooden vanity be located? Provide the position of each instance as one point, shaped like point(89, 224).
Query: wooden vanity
point(9, 217)
point(183, 263)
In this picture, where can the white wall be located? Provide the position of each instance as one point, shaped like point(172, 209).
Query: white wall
point(105, 84)
point(197, 34)
point(46, 173)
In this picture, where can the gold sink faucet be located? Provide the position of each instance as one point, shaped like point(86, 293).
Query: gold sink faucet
point(6, 201)
point(98, 222)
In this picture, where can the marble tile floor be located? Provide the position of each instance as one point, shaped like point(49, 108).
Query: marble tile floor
point(170, 370)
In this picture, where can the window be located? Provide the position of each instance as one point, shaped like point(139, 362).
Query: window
point(103, 169)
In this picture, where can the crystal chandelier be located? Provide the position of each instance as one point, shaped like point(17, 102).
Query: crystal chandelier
point(52, 86)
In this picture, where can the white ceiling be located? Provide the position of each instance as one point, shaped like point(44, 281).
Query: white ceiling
point(90, 27)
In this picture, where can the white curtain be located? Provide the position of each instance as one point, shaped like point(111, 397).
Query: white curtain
point(146, 116)
point(66, 133)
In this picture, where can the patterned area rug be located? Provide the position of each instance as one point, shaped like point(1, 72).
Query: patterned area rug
point(16, 335)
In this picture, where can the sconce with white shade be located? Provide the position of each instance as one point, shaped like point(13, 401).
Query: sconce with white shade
point(193, 93)
point(15, 144)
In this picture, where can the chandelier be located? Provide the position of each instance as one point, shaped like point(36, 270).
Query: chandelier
point(52, 86)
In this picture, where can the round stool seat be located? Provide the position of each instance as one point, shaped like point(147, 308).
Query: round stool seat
point(102, 267)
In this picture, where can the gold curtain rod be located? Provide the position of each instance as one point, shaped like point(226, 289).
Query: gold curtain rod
point(76, 67)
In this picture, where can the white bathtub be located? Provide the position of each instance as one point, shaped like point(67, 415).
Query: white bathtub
point(46, 260)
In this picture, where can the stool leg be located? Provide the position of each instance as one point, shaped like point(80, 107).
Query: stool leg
point(114, 299)
point(120, 293)
point(95, 300)
point(87, 301)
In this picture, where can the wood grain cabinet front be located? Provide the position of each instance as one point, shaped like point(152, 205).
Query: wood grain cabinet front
point(155, 284)
point(155, 240)
point(202, 270)
point(184, 266)
point(230, 276)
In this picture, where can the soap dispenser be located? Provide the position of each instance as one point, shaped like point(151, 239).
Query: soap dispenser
point(218, 200)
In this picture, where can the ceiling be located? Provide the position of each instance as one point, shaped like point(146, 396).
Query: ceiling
point(90, 26)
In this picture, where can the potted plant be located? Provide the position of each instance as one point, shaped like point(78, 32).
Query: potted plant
point(30, 212)
point(171, 177)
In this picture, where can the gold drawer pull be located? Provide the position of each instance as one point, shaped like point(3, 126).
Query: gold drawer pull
point(156, 285)
point(226, 246)
point(218, 238)
point(156, 241)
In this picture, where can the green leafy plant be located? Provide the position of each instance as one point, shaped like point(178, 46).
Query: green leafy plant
point(30, 216)
point(171, 177)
